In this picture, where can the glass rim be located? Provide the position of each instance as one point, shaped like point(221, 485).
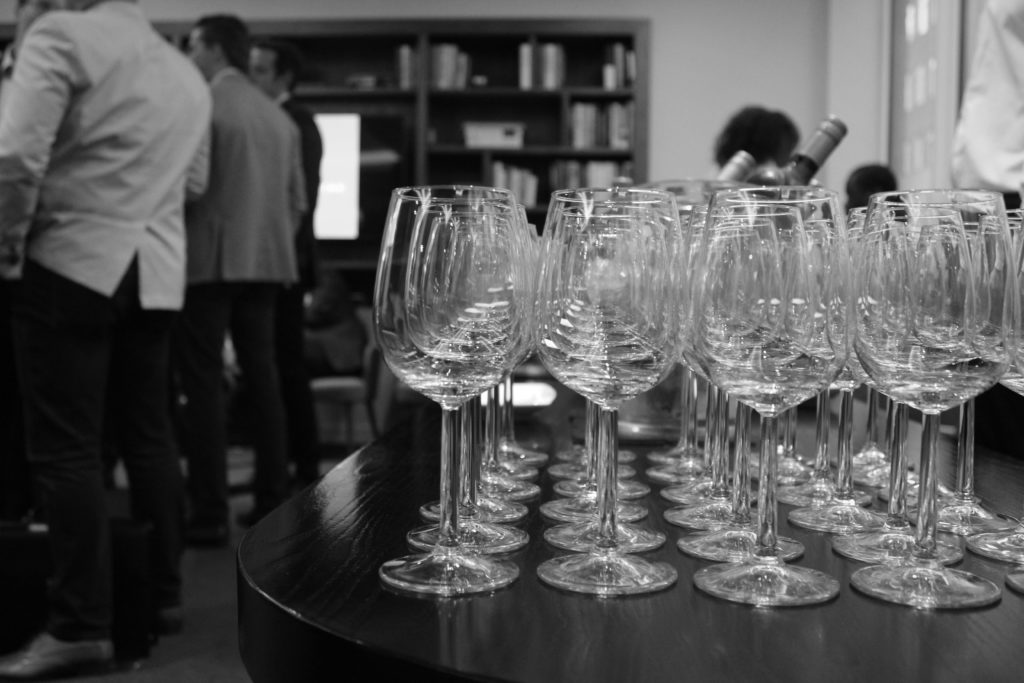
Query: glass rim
point(473, 192)
point(783, 194)
point(589, 195)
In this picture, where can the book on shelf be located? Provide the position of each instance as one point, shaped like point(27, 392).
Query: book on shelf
point(608, 126)
point(552, 66)
point(449, 67)
point(521, 182)
point(525, 66)
point(573, 173)
point(405, 66)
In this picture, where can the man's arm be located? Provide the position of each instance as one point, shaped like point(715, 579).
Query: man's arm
point(35, 100)
point(198, 177)
point(296, 183)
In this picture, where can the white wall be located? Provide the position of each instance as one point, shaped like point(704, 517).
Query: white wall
point(709, 57)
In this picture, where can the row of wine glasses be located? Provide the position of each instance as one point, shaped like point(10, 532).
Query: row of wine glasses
point(768, 300)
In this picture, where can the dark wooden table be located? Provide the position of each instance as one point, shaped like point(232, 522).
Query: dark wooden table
point(311, 606)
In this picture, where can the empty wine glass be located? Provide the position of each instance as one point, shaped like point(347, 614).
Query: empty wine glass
point(607, 329)
point(451, 310)
point(934, 328)
point(1008, 545)
point(768, 325)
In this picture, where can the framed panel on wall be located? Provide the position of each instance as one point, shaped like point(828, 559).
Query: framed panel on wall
point(926, 84)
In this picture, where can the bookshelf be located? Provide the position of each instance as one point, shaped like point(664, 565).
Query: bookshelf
point(577, 89)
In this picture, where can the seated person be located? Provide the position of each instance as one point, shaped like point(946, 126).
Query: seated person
point(335, 336)
point(769, 136)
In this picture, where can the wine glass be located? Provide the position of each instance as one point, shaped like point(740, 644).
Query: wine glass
point(1008, 545)
point(451, 309)
point(510, 451)
point(841, 510)
point(769, 326)
point(934, 319)
point(607, 328)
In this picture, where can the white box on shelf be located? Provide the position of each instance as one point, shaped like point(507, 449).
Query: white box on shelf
point(498, 134)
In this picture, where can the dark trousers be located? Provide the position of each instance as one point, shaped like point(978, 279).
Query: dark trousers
point(15, 487)
point(303, 436)
point(246, 310)
point(81, 355)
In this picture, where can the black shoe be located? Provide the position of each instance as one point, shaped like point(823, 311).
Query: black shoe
point(46, 657)
point(206, 534)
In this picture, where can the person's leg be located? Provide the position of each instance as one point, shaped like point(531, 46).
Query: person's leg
point(252, 332)
point(63, 344)
point(139, 412)
point(300, 415)
point(197, 354)
point(15, 482)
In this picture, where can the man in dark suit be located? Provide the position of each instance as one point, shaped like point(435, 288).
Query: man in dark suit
point(275, 67)
point(241, 250)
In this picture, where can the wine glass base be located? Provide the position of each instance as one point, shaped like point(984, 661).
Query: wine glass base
point(607, 574)
point(734, 544)
point(965, 519)
point(707, 515)
point(488, 509)
point(447, 572)
point(929, 586)
point(684, 458)
point(1015, 579)
point(887, 545)
point(583, 537)
point(517, 470)
point(691, 493)
point(767, 583)
point(517, 453)
point(625, 489)
point(815, 492)
point(584, 509)
point(508, 488)
point(1007, 546)
point(473, 536)
point(671, 474)
point(839, 517)
point(791, 472)
point(577, 471)
point(578, 453)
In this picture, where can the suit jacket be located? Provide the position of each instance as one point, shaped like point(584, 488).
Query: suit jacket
point(243, 227)
point(312, 152)
point(101, 119)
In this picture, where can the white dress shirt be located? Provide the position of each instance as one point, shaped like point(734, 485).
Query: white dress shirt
point(101, 120)
point(988, 146)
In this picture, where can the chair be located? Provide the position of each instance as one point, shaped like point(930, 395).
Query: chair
point(345, 392)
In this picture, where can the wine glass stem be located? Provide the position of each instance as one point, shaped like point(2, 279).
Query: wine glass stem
point(741, 466)
point(767, 507)
point(607, 475)
point(927, 514)
point(688, 408)
point(490, 440)
point(822, 470)
point(965, 454)
point(844, 475)
point(718, 424)
point(897, 427)
point(506, 426)
point(469, 460)
point(590, 437)
point(451, 446)
point(872, 422)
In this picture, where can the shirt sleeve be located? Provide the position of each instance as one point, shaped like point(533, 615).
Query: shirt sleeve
point(198, 176)
point(297, 181)
point(35, 100)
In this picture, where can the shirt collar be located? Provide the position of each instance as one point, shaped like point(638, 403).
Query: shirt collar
point(224, 73)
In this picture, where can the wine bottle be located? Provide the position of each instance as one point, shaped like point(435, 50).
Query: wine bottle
point(738, 167)
point(806, 161)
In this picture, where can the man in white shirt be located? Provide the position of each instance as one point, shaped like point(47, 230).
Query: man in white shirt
point(988, 146)
point(988, 154)
point(101, 121)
